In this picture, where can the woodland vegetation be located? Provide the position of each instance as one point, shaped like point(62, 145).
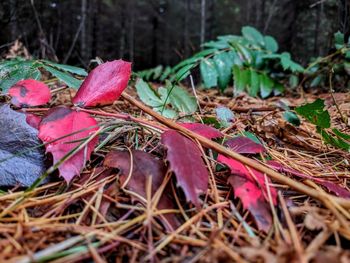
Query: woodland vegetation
point(174, 131)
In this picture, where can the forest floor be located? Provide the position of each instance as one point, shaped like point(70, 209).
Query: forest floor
point(94, 219)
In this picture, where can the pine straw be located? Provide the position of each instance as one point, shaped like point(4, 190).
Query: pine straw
point(62, 223)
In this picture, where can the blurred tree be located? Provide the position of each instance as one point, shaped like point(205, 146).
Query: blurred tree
point(156, 32)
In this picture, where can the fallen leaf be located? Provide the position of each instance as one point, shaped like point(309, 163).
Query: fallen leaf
point(145, 165)
point(76, 126)
point(249, 186)
point(21, 157)
point(203, 130)
point(29, 92)
point(33, 120)
point(186, 162)
point(245, 145)
point(104, 84)
point(336, 189)
point(237, 167)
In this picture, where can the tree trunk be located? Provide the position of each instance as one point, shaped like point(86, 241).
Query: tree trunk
point(203, 20)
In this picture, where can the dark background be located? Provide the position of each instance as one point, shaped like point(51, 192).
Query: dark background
point(156, 32)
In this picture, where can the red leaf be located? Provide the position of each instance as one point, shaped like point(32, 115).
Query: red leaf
point(202, 129)
point(62, 121)
point(252, 200)
point(251, 189)
point(144, 166)
point(33, 120)
point(338, 190)
point(186, 162)
point(243, 144)
point(29, 92)
point(104, 84)
point(237, 167)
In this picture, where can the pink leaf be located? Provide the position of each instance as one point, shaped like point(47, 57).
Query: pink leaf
point(62, 121)
point(202, 129)
point(104, 84)
point(252, 200)
point(145, 166)
point(245, 145)
point(249, 185)
point(186, 162)
point(29, 92)
point(338, 190)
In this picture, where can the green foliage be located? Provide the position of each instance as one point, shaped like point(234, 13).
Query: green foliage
point(171, 101)
point(337, 64)
point(315, 113)
point(158, 73)
point(12, 71)
point(291, 117)
point(250, 60)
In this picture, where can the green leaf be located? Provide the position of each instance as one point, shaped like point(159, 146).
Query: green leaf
point(243, 52)
point(252, 136)
point(223, 64)
point(165, 73)
point(266, 85)
point(254, 83)
point(148, 95)
point(67, 68)
point(183, 73)
point(205, 52)
point(278, 88)
point(241, 78)
point(338, 40)
point(291, 117)
point(16, 70)
point(340, 134)
point(238, 84)
point(287, 63)
point(271, 44)
point(337, 142)
point(253, 36)
point(167, 113)
point(209, 73)
point(189, 61)
point(157, 71)
point(180, 99)
point(316, 81)
point(293, 81)
point(64, 77)
point(315, 113)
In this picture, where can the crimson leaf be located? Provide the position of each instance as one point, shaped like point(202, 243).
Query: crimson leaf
point(249, 185)
point(243, 144)
point(186, 162)
point(202, 129)
point(252, 200)
point(104, 84)
point(74, 127)
point(29, 92)
point(145, 165)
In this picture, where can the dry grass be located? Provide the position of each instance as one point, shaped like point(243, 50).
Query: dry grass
point(93, 219)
